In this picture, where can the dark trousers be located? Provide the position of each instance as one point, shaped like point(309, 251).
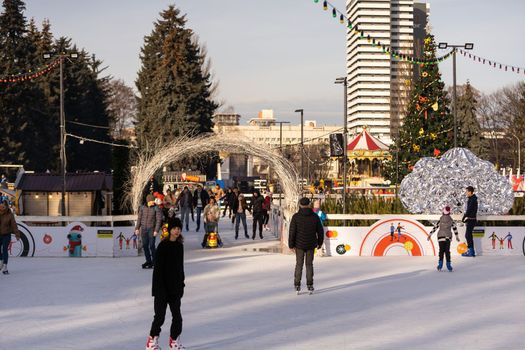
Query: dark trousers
point(185, 216)
point(238, 218)
point(199, 213)
point(468, 233)
point(4, 244)
point(266, 217)
point(257, 220)
point(444, 249)
point(160, 305)
point(148, 244)
point(300, 255)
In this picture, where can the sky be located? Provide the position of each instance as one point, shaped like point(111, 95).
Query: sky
point(282, 54)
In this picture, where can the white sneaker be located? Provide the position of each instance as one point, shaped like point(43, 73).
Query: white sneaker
point(153, 343)
point(175, 344)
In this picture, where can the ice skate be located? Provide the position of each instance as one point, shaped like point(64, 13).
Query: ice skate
point(310, 290)
point(4, 270)
point(449, 266)
point(153, 343)
point(440, 265)
point(175, 344)
point(145, 265)
point(297, 290)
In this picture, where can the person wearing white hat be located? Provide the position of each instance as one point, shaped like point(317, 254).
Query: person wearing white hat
point(446, 225)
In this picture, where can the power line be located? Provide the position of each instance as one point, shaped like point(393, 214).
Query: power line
point(82, 138)
point(90, 125)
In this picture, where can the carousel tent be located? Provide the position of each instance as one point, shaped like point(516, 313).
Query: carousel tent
point(366, 154)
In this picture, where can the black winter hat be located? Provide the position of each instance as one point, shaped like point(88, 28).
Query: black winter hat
point(174, 222)
point(304, 201)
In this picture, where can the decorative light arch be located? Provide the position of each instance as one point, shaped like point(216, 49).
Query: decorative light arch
point(230, 143)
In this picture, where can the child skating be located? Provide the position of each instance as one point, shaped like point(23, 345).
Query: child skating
point(446, 226)
point(168, 286)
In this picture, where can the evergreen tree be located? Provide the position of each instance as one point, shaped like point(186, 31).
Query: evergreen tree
point(427, 129)
point(21, 103)
point(469, 129)
point(174, 88)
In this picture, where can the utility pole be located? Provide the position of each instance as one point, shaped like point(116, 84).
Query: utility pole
point(61, 58)
point(344, 81)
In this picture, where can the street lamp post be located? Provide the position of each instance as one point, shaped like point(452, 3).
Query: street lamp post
point(466, 46)
point(344, 81)
point(281, 150)
point(61, 58)
point(302, 146)
point(519, 152)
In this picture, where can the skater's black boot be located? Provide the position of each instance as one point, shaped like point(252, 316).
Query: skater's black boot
point(146, 265)
point(310, 289)
point(440, 265)
point(449, 266)
point(297, 288)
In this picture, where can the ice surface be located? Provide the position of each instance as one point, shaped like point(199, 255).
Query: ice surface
point(238, 298)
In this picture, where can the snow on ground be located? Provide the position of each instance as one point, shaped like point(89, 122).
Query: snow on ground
point(240, 297)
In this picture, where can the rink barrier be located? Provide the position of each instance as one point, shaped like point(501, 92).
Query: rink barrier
point(376, 240)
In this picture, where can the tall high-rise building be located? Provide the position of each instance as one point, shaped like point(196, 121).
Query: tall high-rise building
point(378, 86)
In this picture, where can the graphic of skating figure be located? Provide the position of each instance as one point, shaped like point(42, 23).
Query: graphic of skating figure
point(121, 238)
point(392, 231)
point(509, 242)
point(501, 241)
point(127, 242)
point(399, 228)
point(494, 238)
point(134, 238)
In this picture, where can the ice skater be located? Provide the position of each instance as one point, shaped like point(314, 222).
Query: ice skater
point(501, 243)
point(392, 231)
point(306, 234)
point(493, 238)
point(148, 226)
point(168, 286)
point(446, 225)
point(7, 228)
point(470, 218)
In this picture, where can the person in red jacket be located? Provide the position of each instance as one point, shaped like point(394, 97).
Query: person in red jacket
point(168, 286)
point(306, 234)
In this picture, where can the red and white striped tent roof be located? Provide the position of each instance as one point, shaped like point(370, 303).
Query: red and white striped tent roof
point(366, 142)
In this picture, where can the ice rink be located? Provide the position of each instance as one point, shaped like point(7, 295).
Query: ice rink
point(242, 297)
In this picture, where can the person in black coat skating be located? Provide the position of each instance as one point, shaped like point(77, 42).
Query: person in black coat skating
point(470, 218)
point(168, 285)
point(306, 234)
point(256, 208)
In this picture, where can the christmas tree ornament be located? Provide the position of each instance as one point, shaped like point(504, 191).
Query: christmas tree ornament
point(436, 152)
point(421, 132)
point(435, 106)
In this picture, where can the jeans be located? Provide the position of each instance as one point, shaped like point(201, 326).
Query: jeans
point(468, 233)
point(238, 218)
point(185, 216)
point(148, 243)
point(4, 244)
point(160, 303)
point(300, 255)
point(199, 213)
point(444, 249)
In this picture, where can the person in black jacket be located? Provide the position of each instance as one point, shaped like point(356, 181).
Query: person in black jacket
point(306, 233)
point(470, 218)
point(256, 208)
point(200, 200)
point(168, 285)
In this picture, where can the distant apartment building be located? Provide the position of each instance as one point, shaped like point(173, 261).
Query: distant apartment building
point(378, 86)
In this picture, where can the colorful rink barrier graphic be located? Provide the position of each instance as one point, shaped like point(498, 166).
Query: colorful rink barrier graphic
point(74, 240)
point(401, 236)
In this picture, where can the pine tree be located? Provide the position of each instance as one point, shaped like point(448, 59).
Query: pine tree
point(427, 129)
point(469, 129)
point(21, 112)
point(174, 88)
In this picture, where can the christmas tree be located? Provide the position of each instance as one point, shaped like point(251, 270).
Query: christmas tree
point(427, 129)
